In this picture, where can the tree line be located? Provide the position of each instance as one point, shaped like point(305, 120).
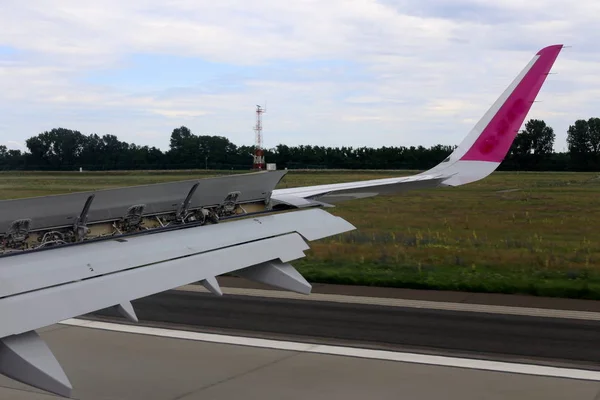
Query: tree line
point(63, 149)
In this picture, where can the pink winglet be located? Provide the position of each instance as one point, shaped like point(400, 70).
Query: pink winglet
point(497, 137)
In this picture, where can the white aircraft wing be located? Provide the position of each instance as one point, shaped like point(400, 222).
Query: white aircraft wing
point(479, 154)
point(44, 286)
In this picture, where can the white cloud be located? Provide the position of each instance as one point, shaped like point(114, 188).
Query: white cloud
point(411, 72)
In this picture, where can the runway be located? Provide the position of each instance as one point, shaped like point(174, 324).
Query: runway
point(547, 340)
point(285, 346)
point(104, 365)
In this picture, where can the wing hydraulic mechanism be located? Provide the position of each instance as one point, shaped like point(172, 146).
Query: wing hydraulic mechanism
point(50, 221)
point(69, 255)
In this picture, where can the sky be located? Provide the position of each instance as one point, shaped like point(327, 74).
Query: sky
point(331, 73)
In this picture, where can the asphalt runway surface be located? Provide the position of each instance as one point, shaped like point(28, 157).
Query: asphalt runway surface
point(108, 365)
point(543, 340)
point(322, 348)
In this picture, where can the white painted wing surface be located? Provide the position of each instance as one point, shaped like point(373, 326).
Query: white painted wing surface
point(334, 193)
point(46, 287)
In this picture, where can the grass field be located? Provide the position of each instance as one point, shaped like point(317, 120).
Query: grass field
point(535, 233)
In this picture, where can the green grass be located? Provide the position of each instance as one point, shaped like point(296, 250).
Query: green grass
point(535, 233)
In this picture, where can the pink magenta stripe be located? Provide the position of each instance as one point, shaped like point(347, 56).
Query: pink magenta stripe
point(497, 137)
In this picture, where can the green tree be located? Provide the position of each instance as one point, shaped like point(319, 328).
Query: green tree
point(532, 147)
point(583, 139)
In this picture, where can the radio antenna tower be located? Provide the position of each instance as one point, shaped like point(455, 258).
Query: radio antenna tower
point(259, 157)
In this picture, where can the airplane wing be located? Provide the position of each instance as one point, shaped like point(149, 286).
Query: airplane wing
point(479, 154)
point(41, 288)
point(129, 243)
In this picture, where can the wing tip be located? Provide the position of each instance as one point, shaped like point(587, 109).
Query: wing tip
point(496, 138)
point(489, 142)
point(553, 48)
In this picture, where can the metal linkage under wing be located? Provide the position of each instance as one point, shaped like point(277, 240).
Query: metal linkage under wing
point(229, 204)
point(183, 209)
point(80, 228)
point(132, 221)
point(17, 234)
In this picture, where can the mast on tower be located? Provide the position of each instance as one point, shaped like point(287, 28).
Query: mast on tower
point(259, 157)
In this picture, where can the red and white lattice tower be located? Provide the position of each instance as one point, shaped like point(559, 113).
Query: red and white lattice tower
point(259, 156)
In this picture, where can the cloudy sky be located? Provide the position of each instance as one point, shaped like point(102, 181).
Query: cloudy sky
point(332, 72)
